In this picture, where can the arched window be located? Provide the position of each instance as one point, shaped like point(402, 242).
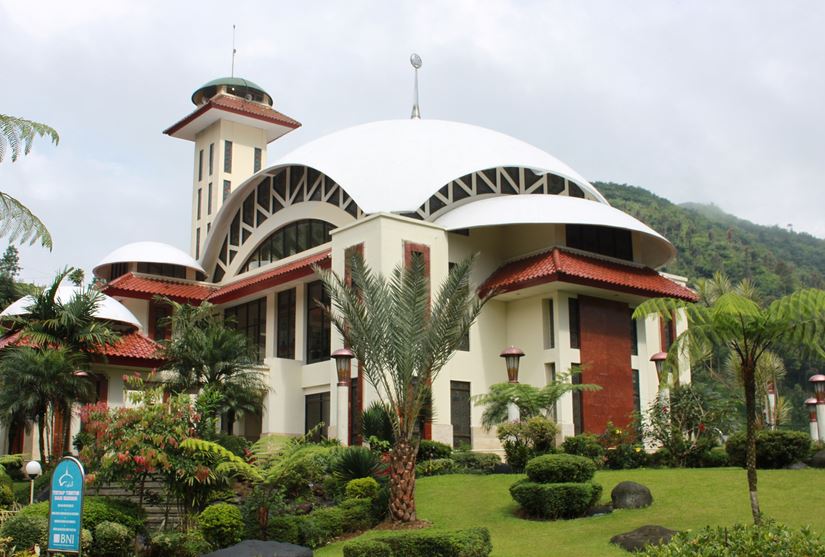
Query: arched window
point(288, 240)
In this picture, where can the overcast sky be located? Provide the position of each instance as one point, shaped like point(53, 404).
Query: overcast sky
point(718, 102)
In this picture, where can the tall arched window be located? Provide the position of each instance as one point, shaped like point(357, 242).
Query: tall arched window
point(288, 240)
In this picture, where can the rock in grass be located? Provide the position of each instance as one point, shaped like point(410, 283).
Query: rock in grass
point(818, 460)
point(640, 537)
point(257, 548)
point(631, 495)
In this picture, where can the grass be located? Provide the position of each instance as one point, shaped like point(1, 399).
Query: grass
point(682, 499)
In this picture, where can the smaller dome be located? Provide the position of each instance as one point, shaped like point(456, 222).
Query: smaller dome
point(237, 86)
point(148, 252)
point(108, 309)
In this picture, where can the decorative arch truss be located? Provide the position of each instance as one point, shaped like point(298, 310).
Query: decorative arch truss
point(492, 182)
point(289, 186)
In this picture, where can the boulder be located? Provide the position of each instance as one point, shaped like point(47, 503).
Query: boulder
point(257, 548)
point(640, 537)
point(630, 495)
point(818, 460)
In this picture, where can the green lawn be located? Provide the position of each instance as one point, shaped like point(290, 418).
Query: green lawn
point(683, 500)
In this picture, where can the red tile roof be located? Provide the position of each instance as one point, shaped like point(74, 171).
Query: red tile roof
point(237, 105)
point(143, 287)
point(132, 348)
point(279, 275)
point(562, 265)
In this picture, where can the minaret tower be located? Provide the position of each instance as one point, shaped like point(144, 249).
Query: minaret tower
point(233, 123)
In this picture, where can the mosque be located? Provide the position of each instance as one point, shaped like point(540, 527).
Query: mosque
point(567, 268)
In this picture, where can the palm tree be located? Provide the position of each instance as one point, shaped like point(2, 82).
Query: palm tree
point(402, 339)
point(16, 220)
point(36, 385)
point(205, 353)
point(733, 320)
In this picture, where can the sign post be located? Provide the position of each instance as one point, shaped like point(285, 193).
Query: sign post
point(66, 506)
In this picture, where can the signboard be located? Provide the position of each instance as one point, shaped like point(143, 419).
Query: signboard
point(66, 506)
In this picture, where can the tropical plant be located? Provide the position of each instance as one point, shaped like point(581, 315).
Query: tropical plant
point(402, 337)
point(16, 220)
point(735, 321)
point(206, 355)
point(375, 422)
point(531, 401)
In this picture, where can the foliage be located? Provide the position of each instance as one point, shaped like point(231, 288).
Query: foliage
point(743, 541)
point(473, 542)
point(584, 444)
point(236, 444)
point(301, 469)
point(362, 488)
point(625, 457)
point(97, 510)
point(112, 540)
point(16, 220)
point(206, 354)
point(221, 525)
point(526, 439)
point(436, 467)
point(357, 513)
point(560, 468)
point(555, 500)
point(261, 503)
point(26, 530)
point(428, 450)
point(774, 448)
point(179, 544)
point(355, 462)
point(402, 337)
point(376, 422)
point(469, 461)
point(321, 526)
point(531, 401)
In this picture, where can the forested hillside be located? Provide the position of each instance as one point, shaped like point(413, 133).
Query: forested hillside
point(708, 240)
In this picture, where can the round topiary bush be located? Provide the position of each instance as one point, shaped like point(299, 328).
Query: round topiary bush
point(26, 530)
point(560, 468)
point(362, 488)
point(555, 500)
point(113, 540)
point(221, 525)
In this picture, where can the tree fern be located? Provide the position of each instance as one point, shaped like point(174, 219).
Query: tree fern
point(18, 134)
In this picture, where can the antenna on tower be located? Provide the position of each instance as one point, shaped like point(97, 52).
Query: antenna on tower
point(234, 50)
point(415, 60)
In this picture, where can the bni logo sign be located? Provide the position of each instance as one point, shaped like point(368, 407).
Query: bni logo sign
point(67, 539)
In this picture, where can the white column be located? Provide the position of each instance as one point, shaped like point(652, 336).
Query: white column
point(513, 414)
point(814, 429)
point(343, 414)
point(820, 417)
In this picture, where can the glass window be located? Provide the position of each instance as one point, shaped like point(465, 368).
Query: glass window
point(227, 189)
point(257, 162)
point(118, 269)
point(575, 327)
point(211, 157)
point(550, 323)
point(316, 411)
point(637, 399)
point(227, 156)
point(293, 238)
point(200, 191)
point(200, 165)
point(162, 269)
point(286, 324)
point(603, 240)
point(159, 312)
point(634, 335)
point(197, 243)
point(250, 319)
point(318, 325)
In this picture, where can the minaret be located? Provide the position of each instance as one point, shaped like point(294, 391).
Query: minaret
point(233, 123)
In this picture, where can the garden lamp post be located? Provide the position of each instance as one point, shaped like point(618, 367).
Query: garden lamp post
point(33, 469)
point(343, 366)
point(811, 405)
point(818, 382)
point(658, 360)
point(512, 358)
point(771, 409)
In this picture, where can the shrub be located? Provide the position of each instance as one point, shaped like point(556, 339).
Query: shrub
point(362, 488)
point(221, 525)
point(473, 542)
point(25, 530)
point(526, 439)
point(179, 544)
point(6, 496)
point(302, 470)
point(585, 444)
point(99, 509)
point(431, 450)
point(86, 541)
point(742, 541)
point(330, 520)
point(625, 457)
point(263, 502)
point(376, 422)
point(714, 458)
point(556, 500)
point(560, 468)
point(353, 463)
point(435, 467)
point(356, 514)
point(236, 444)
point(112, 540)
point(285, 528)
point(484, 463)
point(774, 449)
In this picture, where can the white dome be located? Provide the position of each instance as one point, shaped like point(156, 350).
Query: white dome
point(149, 252)
point(395, 165)
point(108, 308)
point(557, 209)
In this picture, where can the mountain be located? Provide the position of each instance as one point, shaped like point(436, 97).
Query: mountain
point(708, 240)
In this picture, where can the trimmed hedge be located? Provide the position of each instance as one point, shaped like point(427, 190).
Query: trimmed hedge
point(774, 449)
point(584, 444)
point(179, 544)
point(285, 529)
point(470, 461)
point(555, 500)
point(560, 468)
point(221, 525)
point(473, 542)
point(357, 515)
point(431, 450)
point(113, 540)
point(435, 467)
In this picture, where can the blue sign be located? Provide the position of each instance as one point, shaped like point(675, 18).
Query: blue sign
point(66, 506)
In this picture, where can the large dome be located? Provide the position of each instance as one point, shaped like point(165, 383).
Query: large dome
point(148, 252)
point(108, 309)
point(395, 165)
